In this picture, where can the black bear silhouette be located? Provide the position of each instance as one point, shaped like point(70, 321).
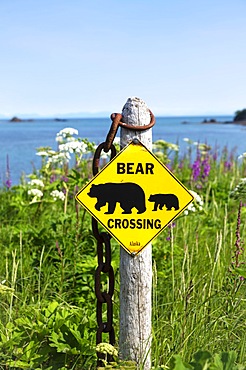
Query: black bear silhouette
point(169, 200)
point(128, 194)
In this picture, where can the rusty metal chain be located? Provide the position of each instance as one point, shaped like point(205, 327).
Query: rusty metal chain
point(104, 267)
point(103, 243)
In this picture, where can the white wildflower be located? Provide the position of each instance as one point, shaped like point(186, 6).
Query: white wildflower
point(164, 145)
point(56, 194)
point(71, 138)
point(239, 192)
point(197, 204)
point(73, 147)
point(45, 153)
point(190, 208)
point(59, 158)
point(35, 193)
point(174, 147)
point(186, 139)
point(42, 153)
point(117, 140)
point(197, 197)
point(242, 155)
point(66, 133)
point(204, 147)
point(36, 182)
point(59, 139)
point(104, 155)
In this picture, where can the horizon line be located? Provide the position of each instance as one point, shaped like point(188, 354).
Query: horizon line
point(34, 116)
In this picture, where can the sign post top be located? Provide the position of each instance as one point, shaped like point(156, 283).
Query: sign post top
point(134, 197)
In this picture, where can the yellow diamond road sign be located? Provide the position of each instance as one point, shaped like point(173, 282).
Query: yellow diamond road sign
point(134, 197)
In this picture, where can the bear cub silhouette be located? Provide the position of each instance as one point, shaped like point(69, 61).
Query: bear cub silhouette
point(161, 200)
point(128, 194)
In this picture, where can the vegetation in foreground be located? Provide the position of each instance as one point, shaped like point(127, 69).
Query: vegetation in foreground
point(48, 312)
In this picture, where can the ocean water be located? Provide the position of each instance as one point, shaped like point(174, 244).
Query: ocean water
point(20, 140)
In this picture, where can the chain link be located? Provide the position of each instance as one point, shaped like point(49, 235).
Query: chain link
point(103, 243)
point(104, 267)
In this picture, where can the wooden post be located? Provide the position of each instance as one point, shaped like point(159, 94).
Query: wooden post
point(136, 272)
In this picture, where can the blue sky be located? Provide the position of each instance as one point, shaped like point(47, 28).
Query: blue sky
point(183, 57)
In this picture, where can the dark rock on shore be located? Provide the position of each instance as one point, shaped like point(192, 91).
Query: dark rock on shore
point(240, 115)
point(15, 119)
point(241, 122)
point(215, 121)
point(212, 120)
point(60, 120)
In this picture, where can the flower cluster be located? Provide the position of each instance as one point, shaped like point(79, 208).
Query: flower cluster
point(36, 182)
point(59, 158)
point(239, 193)
point(66, 134)
point(8, 181)
point(197, 204)
point(187, 140)
point(170, 227)
point(117, 140)
point(242, 156)
point(107, 348)
point(56, 194)
point(201, 168)
point(162, 149)
point(36, 193)
point(202, 147)
point(164, 145)
point(67, 146)
point(73, 147)
point(45, 152)
point(196, 169)
point(227, 166)
point(206, 168)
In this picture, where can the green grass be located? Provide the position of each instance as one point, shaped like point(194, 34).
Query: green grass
point(48, 309)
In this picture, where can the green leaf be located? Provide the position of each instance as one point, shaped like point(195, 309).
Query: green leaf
point(201, 360)
point(225, 361)
point(18, 364)
point(241, 271)
point(178, 364)
point(77, 335)
point(51, 308)
point(29, 351)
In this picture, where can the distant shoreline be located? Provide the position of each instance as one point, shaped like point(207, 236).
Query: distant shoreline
point(205, 121)
point(212, 122)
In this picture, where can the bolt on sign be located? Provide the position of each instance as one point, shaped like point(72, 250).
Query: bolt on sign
point(134, 197)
